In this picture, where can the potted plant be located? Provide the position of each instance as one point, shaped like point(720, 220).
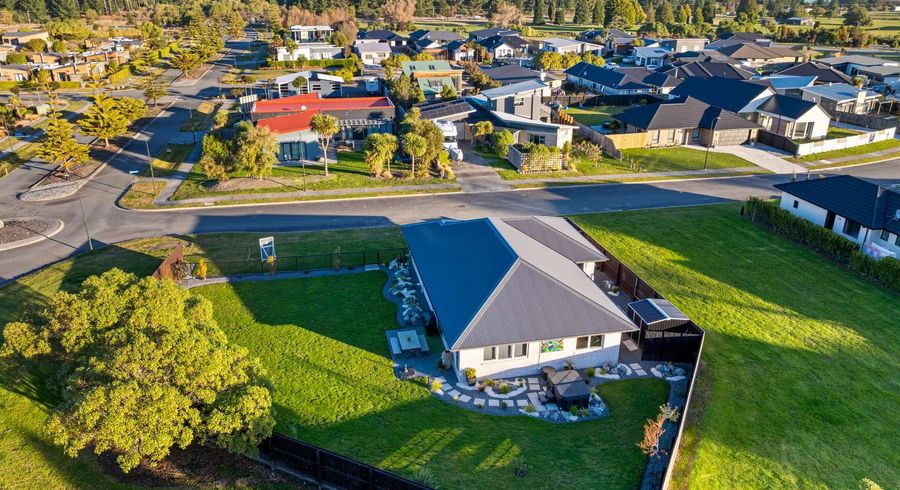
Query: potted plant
point(470, 375)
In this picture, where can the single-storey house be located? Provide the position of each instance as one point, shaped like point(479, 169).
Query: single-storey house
point(706, 69)
point(433, 75)
point(790, 84)
point(606, 80)
point(15, 73)
point(483, 34)
point(794, 118)
point(852, 63)
point(461, 51)
point(509, 46)
point(372, 53)
point(824, 74)
point(757, 56)
point(740, 38)
point(309, 34)
point(687, 121)
point(841, 97)
point(290, 119)
point(507, 74)
point(799, 21)
point(738, 96)
point(517, 296)
point(569, 46)
point(661, 82)
point(651, 57)
point(859, 210)
point(309, 51)
point(618, 42)
point(383, 35)
point(16, 38)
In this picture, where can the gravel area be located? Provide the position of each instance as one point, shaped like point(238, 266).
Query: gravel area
point(15, 230)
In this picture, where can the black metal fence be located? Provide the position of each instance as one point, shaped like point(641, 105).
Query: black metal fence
point(297, 263)
point(777, 141)
point(324, 467)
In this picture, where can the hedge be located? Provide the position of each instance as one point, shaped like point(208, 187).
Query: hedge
point(824, 241)
point(121, 76)
point(342, 62)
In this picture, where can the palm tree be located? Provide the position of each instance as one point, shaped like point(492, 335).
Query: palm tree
point(414, 146)
point(325, 127)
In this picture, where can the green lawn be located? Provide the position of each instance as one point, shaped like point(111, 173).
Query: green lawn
point(801, 354)
point(595, 116)
point(849, 152)
point(24, 398)
point(167, 162)
point(18, 157)
point(200, 117)
point(350, 171)
point(326, 353)
point(633, 161)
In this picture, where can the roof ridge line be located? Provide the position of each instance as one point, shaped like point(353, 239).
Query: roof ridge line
point(489, 299)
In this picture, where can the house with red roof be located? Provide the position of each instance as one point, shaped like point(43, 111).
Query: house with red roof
point(290, 119)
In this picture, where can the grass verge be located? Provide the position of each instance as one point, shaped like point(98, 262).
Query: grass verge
point(167, 162)
point(849, 152)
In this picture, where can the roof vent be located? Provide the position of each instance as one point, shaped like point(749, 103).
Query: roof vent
point(303, 108)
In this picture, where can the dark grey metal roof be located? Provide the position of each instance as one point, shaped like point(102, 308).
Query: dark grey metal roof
point(650, 77)
point(707, 69)
point(491, 284)
point(732, 95)
point(822, 72)
point(552, 234)
point(851, 197)
point(511, 73)
point(790, 107)
point(684, 113)
point(606, 77)
point(654, 310)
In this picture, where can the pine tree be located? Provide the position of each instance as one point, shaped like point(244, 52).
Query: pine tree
point(560, 18)
point(665, 14)
point(538, 12)
point(59, 146)
point(598, 15)
point(582, 12)
point(35, 10)
point(103, 120)
point(551, 10)
point(63, 9)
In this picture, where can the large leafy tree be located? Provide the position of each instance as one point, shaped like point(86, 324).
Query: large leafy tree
point(256, 151)
point(59, 146)
point(104, 119)
point(144, 367)
point(325, 127)
point(434, 138)
point(857, 16)
point(34, 10)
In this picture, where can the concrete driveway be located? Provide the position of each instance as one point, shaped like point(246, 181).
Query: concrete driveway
point(771, 159)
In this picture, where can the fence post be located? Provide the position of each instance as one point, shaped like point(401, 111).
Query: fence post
point(296, 263)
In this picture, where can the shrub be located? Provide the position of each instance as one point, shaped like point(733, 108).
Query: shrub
point(201, 269)
point(423, 476)
point(503, 404)
point(504, 388)
point(587, 150)
point(530, 408)
point(589, 372)
point(519, 467)
point(121, 76)
point(669, 412)
point(583, 412)
point(470, 373)
point(489, 382)
point(824, 241)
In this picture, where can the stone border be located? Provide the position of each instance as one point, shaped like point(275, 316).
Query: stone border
point(54, 226)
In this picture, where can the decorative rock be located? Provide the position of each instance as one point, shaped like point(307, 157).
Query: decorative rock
point(656, 372)
point(675, 378)
point(494, 403)
point(530, 414)
point(680, 372)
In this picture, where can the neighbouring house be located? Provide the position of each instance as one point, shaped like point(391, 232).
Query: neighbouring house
point(461, 51)
point(15, 38)
point(618, 42)
point(383, 35)
point(739, 96)
point(483, 34)
point(824, 74)
point(507, 74)
point(505, 46)
point(74, 71)
point(620, 81)
point(433, 42)
point(851, 64)
point(518, 295)
point(442, 37)
point(688, 121)
point(794, 118)
point(859, 210)
point(683, 45)
point(433, 75)
point(889, 75)
point(318, 82)
point(740, 38)
point(308, 34)
point(436, 49)
point(841, 97)
point(527, 130)
point(521, 98)
point(48, 57)
point(15, 73)
point(799, 21)
point(596, 36)
point(789, 84)
point(372, 53)
point(569, 46)
point(290, 119)
point(651, 57)
point(452, 111)
point(309, 51)
point(758, 56)
point(706, 69)
point(707, 55)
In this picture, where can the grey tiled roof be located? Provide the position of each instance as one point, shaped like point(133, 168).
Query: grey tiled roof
point(683, 114)
point(851, 197)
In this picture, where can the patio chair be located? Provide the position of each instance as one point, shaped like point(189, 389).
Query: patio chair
point(395, 346)
point(424, 343)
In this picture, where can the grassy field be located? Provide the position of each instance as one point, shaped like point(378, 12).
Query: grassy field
point(167, 162)
point(595, 116)
point(20, 156)
point(801, 354)
point(883, 23)
point(334, 386)
point(200, 117)
point(633, 161)
point(849, 152)
point(350, 171)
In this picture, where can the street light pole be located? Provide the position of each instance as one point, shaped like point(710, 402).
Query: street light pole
point(712, 136)
point(150, 159)
point(193, 134)
point(84, 220)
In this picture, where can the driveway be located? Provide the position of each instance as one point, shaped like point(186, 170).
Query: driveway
point(475, 174)
point(771, 159)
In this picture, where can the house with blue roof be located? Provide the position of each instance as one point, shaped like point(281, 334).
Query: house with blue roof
point(513, 295)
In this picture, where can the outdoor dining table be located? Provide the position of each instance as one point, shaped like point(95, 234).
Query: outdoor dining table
point(409, 340)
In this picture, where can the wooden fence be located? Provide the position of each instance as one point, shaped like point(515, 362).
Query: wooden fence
point(166, 269)
point(326, 468)
point(687, 349)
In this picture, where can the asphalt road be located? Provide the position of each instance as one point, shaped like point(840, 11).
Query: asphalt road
point(109, 224)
